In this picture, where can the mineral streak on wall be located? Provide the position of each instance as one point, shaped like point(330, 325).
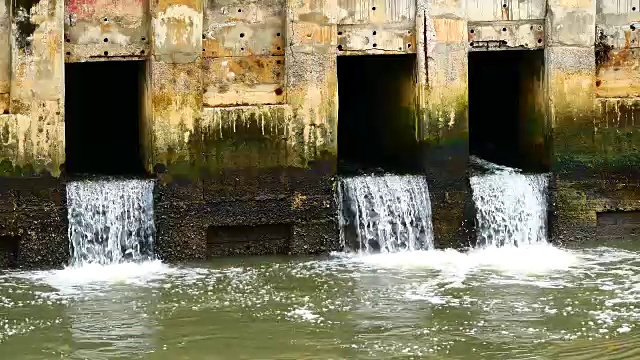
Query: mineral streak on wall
point(240, 110)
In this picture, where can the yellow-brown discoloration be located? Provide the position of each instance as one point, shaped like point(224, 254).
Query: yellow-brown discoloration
point(163, 5)
point(176, 106)
point(243, 29)
point(571, 92)
point(36, 91)
point(268, 137)
point(177, 32)
point(618, 68)
point(374, 12)
point(450, 31)
point(298, 200)
point(244, 80)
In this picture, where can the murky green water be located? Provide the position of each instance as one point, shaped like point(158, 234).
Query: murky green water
point(528, 303)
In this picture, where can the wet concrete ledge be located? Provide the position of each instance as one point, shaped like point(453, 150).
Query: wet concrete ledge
point(240, 212)
point(247, 212)
point(293, 211)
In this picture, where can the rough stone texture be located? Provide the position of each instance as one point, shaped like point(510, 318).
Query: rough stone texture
point(33, 210)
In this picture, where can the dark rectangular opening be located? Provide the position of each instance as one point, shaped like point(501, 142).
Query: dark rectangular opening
point(103, 117)
point(269, 239)
point(618, 225)
point(507, 111)
point(9, 249)
point(377, 114)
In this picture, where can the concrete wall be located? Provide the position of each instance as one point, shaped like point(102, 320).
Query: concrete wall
point(241, 124)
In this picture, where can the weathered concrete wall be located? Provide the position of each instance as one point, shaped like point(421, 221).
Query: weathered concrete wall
point(594, 104)
point(34, 131)
point(241, 104)
point(444, 130)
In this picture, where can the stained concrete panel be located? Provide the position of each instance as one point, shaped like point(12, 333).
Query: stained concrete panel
point(96, 29)
point(244, 28)
point(177, 30)
point(369, 39)
point(504, 10)
point(507, 34)
point(375, 12)
point(243, 80)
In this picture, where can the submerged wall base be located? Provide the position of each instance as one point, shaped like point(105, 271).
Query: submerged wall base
point(243, 202)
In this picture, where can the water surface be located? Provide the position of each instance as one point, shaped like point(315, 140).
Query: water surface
point(528, 302)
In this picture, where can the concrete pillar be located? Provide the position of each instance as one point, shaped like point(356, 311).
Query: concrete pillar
point(176, 85)
point(444, 125)
point(570, 65)
point(311, 75)
point(37, 85)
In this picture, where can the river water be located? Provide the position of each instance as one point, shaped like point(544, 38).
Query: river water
point(500, 300)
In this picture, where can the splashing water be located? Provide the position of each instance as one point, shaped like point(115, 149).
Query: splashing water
point(385, 213)
point(110, 222)
point(511, 207)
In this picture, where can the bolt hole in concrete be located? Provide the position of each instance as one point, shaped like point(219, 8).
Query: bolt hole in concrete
point(143, 38)
point(374, 32)
point(278, 34)
point(241, 35)
point(504, 29)
point(106, 53)
point(373, 8)
point(68, 53)
point(633, 8)
point(340, 47)
point(106, 40)
point(510, 132)
point(108, 144)
point(504, 5)
point(471, 31)
point(376, 109)
point(375, 45)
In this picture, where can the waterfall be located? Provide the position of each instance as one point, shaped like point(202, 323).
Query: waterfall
point(511, 207)
point(384, 213)
point(110, 221)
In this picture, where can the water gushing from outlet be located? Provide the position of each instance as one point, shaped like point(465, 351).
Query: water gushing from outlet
point(511, 207)
point(110, 221)
point(386, 213)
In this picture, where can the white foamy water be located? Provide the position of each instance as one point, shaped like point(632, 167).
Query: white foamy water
point(385, 213)
point(110, 221)
point(511, 208)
